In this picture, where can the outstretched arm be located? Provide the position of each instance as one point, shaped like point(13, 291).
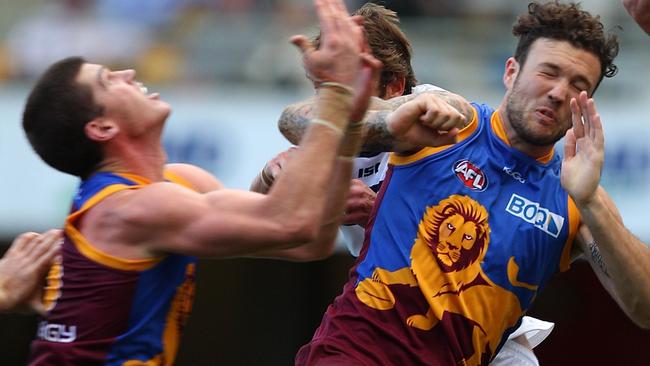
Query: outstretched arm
point(164, 217)
point(377, 136)
point(24, 265)
point(620, 260)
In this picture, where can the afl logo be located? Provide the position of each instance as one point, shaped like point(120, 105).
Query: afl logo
point(471, 176)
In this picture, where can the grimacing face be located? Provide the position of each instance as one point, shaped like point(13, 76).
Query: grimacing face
point(455, 234)
point(537, 102)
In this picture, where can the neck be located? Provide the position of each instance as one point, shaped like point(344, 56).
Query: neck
point(146, 162)
point(515, 141)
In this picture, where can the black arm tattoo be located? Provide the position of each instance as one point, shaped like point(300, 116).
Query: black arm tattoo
point(596, 257)
point(294, 121)
point(376, 137)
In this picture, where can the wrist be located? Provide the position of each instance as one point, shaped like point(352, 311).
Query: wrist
point(352, 141)
point(334, 105)
point(266, 178)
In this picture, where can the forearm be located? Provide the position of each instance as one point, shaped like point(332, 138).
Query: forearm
point(323, 246)
point(376, 137)
point(619, 258)
point(301, 190)
point(261, 183)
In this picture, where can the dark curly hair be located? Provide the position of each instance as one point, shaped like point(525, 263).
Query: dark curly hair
point(566, 22)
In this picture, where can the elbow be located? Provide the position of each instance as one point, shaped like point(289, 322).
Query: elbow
point(287, 126)
point(643, 319)
point(639, 313)
point(323, 251)
point(302, 231)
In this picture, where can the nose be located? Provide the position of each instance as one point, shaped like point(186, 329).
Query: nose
point(128, 74)
point(559, 93)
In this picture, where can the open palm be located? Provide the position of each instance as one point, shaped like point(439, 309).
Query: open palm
point(584, 151)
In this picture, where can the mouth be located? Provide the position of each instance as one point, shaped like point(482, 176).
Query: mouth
point(144, 90)
point(547, 115)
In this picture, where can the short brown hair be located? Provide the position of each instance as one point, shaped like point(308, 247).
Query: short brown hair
point(566, 22)
point(388, 44)
point(57, 111)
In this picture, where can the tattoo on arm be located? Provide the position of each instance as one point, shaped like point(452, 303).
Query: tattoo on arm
point(294, 121)
point(596, 257)
point(377, 138)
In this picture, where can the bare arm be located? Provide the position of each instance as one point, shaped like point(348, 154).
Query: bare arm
point(164, 217)
point(619, 259)
point(640, 11)
point(377, 137)
point(323, 245)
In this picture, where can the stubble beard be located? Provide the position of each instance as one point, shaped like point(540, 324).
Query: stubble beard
point(525, 132)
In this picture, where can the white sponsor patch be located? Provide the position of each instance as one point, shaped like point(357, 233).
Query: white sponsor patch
point(543, 219)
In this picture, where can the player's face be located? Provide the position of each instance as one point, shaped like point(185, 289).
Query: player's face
point(538, 96)
point(123, 98)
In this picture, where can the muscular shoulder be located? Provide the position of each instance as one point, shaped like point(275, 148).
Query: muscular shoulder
point(200, 180)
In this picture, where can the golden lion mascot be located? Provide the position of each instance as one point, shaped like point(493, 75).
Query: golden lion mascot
point(446, 257)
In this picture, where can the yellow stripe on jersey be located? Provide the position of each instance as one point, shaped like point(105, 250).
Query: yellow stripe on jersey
point(98, 256)
point(499, 130)
point(95, 254)
point(574, 224)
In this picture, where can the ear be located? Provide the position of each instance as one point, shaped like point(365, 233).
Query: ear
point(510, 73)
point(101, 129)
point(395, 88)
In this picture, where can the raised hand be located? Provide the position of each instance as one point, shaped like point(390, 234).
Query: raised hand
point(24, 266)
point(584, 151)
point(339, 57)
point(426, 120)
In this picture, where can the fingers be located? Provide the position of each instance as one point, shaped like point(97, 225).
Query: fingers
point(585, 119)
point(576, 118)
point(20, 244)
point(440, 115)
point(595, 124)
point(569, 144)
point(367, 84)
point(448, 138)
point(303, 43)
point(583, 102)
point(47, 248)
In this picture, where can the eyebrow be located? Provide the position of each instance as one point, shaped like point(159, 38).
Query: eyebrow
point(100, 81)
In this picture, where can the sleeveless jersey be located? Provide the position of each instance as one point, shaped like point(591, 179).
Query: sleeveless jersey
point(105, 310)
point(371, 170)
point(461, 239)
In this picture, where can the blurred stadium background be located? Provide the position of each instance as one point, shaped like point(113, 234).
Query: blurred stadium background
point(228, 71)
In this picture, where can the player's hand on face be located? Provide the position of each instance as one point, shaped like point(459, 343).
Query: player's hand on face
point(584, 151)
point(360, 201)
point(426, 120)
point(339, 57)
point(23, 267)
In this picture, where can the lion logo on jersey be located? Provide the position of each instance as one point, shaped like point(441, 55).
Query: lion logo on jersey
point(452, 240)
